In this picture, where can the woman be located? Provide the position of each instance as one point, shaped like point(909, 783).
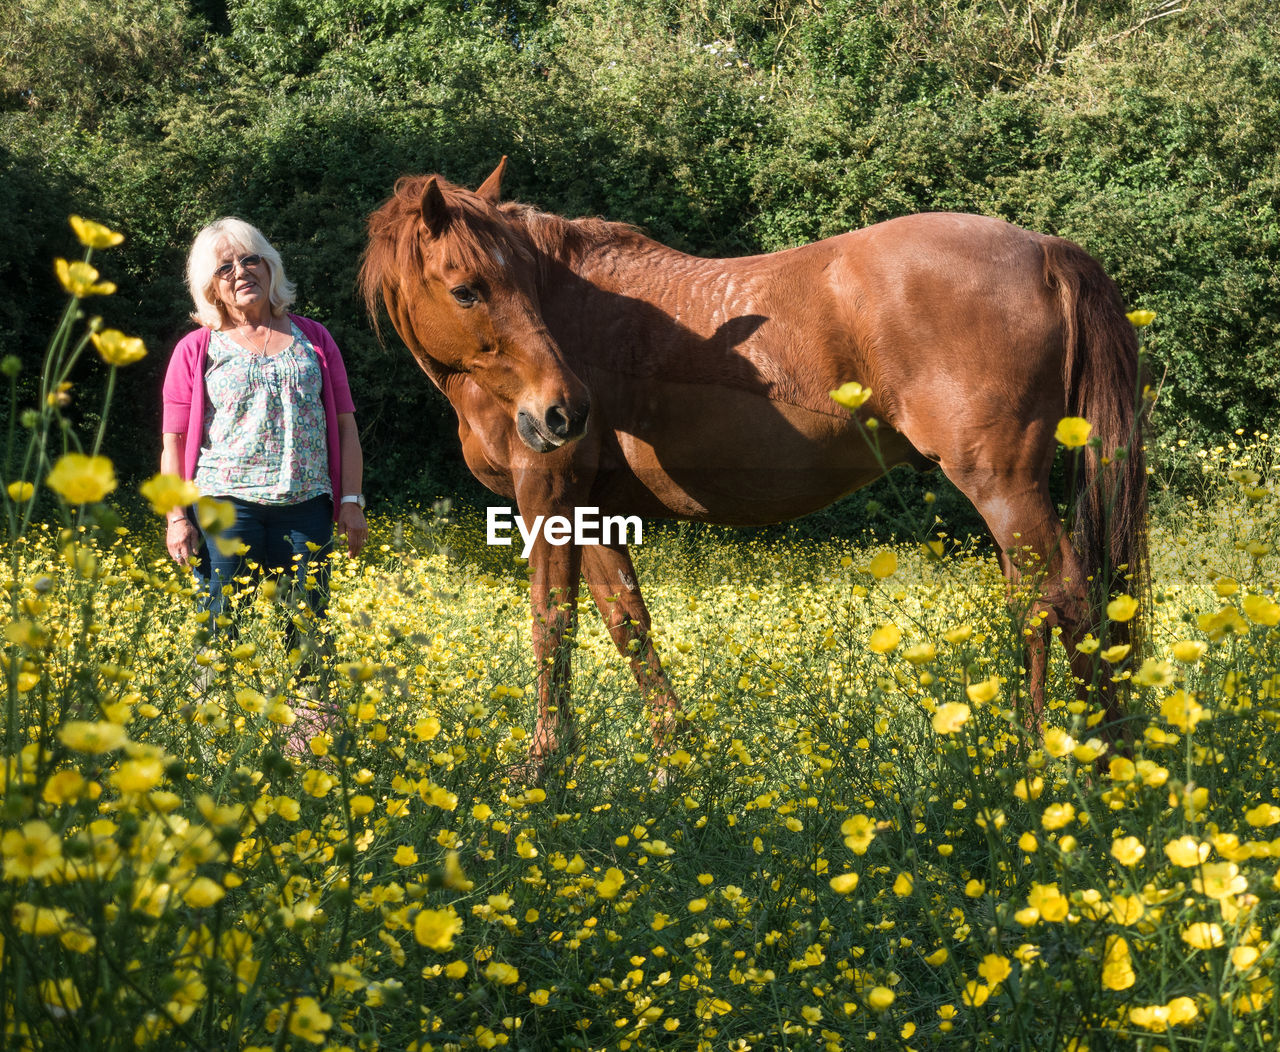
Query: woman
point(257, 412)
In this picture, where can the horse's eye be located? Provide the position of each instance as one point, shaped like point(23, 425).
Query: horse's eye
point(465, 295)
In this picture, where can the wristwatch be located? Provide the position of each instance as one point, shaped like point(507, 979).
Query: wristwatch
point(357, 499)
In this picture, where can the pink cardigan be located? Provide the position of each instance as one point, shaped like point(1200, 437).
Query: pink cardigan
point(184, 395)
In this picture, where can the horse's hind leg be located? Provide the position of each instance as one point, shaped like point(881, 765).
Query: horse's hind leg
point(611, 576)
point(1047, 584)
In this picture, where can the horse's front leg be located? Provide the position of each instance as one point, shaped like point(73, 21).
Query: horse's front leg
point(553, 595)
point(611, 576)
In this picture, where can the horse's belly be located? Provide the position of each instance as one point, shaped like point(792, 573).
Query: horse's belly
point(732, 457)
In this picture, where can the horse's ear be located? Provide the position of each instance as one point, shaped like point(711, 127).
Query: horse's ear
point(491, 189)
point(435, 212)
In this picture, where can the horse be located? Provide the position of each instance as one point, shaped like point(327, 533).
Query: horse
point(590, 366)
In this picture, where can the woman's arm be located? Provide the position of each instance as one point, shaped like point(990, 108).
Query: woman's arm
point(350, 516)
point(180, 537)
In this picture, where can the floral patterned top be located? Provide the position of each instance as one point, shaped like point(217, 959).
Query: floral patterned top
point(264, 424)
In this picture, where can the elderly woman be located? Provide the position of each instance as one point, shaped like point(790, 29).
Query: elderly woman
point(257, 412)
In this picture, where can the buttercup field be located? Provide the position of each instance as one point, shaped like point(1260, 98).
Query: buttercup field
point(854, 840)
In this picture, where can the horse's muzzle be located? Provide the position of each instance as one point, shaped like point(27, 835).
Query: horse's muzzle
point(556, 425)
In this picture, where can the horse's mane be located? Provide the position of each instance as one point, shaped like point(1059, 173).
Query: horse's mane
point(475, 241)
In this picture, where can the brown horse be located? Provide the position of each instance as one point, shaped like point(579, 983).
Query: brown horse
point(592, 367)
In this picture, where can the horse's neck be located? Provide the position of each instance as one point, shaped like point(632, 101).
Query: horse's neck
point(645, 274)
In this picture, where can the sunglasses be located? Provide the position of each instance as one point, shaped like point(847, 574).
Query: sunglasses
point(227, 269)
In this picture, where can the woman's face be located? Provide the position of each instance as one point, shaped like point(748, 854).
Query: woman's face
point(241, 280)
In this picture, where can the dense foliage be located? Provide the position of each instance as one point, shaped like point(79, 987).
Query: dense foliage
point(1144, 129)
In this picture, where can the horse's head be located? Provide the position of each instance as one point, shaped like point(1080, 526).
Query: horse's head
point(459, 281)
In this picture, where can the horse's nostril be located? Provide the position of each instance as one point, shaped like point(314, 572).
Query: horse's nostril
point(557, 421)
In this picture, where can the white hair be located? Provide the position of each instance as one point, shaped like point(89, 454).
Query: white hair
point(244, 239)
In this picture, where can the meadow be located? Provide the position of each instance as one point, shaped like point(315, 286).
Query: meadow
point(855, 841)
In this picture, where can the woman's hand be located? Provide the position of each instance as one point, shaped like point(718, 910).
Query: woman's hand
point(181, 538)
point(351, 525)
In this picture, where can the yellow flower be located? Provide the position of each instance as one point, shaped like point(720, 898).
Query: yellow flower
point(1140, 318)
point(1127, 850)
point(612, 883)
point(1220, 880)
point(1127, 909)
point(1261, 610)
point(203, 892)
point(435, 929)
point(308, 1021)
point(880, 998)
point(215, 516)
point(1122, 608)
point(1243, 957)
point(40, 920)
point(1057, 815)
point(20, 492)
point(1057, 742)
point(1116, 654)
point(118, 349)
point(981, 693)
point(1182, 710)
point(697, 905)
point(975, 994)
point(81, 280)
point(921, 653)
point(92, 736)
point(1121, 769)
point(1189, 651)
point(60, 994)
point(1187, 851)
point(1073, 431)
point(317, 783)
point(950, 717)
point(883, 565)
point(995, 969)
point(504, 974)
point(844, 883)
point(1028, 788)
point(1117, 966)
point(1028, 843)
point(65, 787)
point(903, 885)
point(1262, 815)
point(1203, 935)
point(31, 853)
point(81, 479)
point(95, 235)
point(1227, 620)
point(1048, 902)
point(851, 395)
point(884, 639)
point(139, 775)
point(405, 855)
point(169, 492)
point(938, 957)
point(1154, 673)
point(858, 832)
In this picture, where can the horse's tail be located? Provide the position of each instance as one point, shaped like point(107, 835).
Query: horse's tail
point(1102, 376)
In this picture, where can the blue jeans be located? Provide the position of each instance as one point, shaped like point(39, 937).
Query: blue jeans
point(278, 538)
